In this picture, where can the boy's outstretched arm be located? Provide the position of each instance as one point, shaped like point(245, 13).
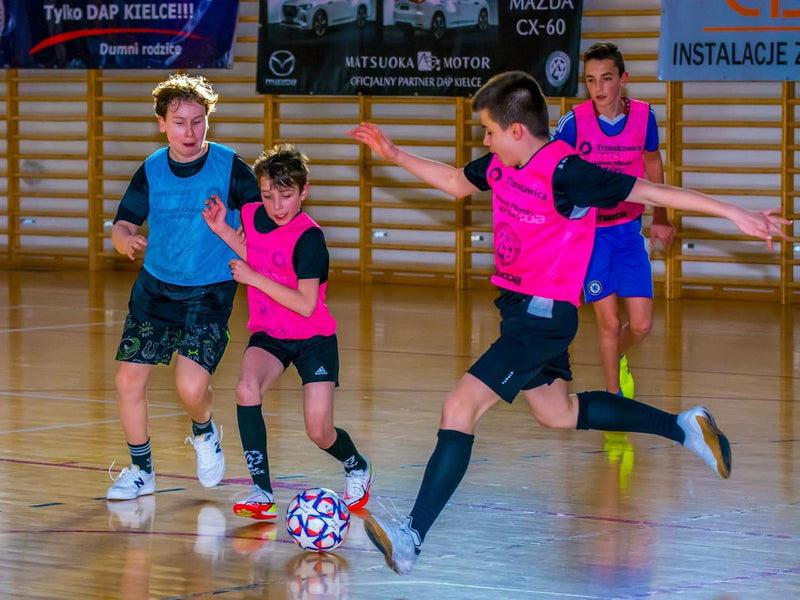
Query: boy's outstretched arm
point(442, 176)
point(214, 214)
point(762, 224)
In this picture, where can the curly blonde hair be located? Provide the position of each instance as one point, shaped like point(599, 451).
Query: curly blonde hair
point(182, 88)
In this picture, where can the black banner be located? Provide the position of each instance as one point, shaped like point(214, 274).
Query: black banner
point(415, 47)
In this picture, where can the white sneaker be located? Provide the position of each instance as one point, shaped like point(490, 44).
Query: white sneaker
point(705, 439)
point(210, 459)
point(398, 543)
point(133, 514)
point(356, 487)
point(131, 483)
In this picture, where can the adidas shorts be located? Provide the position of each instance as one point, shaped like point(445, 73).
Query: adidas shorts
point(620, 263)
point(316, 359)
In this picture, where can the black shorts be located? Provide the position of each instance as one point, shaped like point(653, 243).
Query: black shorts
point(171, 305)
point(316, 358)
point(149, 344)
point(531, 350)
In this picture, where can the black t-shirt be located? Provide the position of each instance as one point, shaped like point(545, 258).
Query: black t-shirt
point(310, 259)
point(577, 183)
point(135, 204)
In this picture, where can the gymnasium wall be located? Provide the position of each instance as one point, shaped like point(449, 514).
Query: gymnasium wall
point(72, 139)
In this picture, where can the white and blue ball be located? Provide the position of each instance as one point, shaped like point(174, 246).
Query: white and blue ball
point(318, 519)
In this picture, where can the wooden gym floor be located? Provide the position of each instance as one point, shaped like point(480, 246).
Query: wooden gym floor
point(540, 514)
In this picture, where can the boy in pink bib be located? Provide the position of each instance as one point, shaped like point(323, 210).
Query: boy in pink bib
point(285, 267)
point(544, 202)
point(619, 134)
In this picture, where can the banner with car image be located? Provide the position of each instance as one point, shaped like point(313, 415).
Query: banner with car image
point(118, 34)
point(415, 47)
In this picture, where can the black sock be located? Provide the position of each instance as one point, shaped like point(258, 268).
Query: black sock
point(141, 456)
point(344, 450)
point(608, 412)
point(201, 428)
point(445, 470)
point(253, 433)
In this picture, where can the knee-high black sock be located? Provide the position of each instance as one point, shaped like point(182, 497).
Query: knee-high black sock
point(609, 412)
point(344, 450)
point(253, 433)
point(444, 472)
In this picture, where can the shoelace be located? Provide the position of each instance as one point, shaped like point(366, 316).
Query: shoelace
point(122, 473)
point(259, 496)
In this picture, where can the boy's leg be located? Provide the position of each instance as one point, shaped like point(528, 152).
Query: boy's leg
point(200, 349)
point(138, 479)
point(634, 284)
point(192, 382)
point(462, 409)
point(131, 382)
point(695, 428)
point(638, 324)
point(318, 417)
point(359, 472)
point(633, 331)
point(606, 312)
point(142, 346)
point(258, 371)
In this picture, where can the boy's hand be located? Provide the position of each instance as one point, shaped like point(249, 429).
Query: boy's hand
point(215, 212)
point(761, 224)
point(372, 136)
point(136, 243)
point(242, 272)
point(663, 232)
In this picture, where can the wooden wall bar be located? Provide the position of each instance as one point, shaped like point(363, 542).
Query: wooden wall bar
point(72, 139)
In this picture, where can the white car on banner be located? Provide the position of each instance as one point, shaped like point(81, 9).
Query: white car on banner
point(437, 16)
point(316, 16)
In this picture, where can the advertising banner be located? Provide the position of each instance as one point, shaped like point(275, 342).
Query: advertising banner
point(415, 47)
point(119, 34)
point(733, 40)
point(8, 11)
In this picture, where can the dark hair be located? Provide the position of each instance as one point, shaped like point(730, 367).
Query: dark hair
point(182, 88)
point(514, 97)
point(284, 165)
point(605, 51)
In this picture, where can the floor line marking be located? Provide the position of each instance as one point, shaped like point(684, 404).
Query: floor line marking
point(51, 327)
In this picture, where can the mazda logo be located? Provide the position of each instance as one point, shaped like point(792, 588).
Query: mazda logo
point(281, 63)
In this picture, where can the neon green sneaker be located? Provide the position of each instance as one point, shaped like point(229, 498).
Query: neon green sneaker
point(625, 378)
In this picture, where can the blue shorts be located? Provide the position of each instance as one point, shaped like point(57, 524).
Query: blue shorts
point(531, 351)
point(620, 263)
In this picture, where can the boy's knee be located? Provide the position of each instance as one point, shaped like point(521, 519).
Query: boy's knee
point(322, 436)
point(247, 393)
point(192, 391)
point(641, 329)
point(127, 381)
point(609, 325)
